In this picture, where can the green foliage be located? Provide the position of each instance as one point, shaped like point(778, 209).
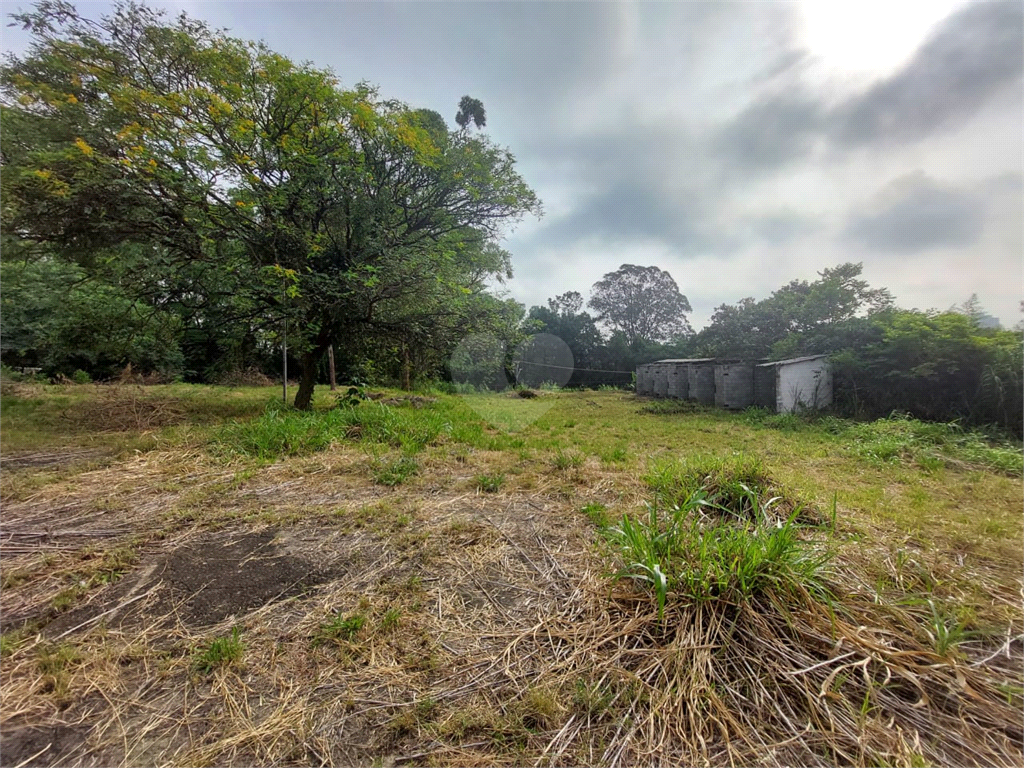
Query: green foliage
point(568, 459)
point(563, 317)
point(57, 319)
point(731, 483)
point(723, 541)
point(903, 438)
point(945, 631)
point(671, 406)
point(396, 471)
point(283, 431)
point(353, 397)
point(784, 422)
point(935, 367)
point(752, 328)
point(391, 619)
point(339, 629)
point(490, 483)
point(55, 663)
point(237, 173)
point(617, 455)
point(643, 303)
point(597, 514)
point(220, 652)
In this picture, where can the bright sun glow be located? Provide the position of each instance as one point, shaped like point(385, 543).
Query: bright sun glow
point(869, 36)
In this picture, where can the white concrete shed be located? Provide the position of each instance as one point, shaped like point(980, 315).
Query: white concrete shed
point(800, 383)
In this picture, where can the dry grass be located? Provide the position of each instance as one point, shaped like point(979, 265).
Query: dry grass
point(488, 631)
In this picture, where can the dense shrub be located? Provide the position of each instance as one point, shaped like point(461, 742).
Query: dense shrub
point(940, 367)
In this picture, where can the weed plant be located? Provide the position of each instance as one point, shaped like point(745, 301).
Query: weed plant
point(720, 536)
point(282, 431)
point(221, 652)
point(395, 471)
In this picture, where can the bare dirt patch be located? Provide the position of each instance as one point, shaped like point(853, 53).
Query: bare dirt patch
point(39, 745)
point(211, 579)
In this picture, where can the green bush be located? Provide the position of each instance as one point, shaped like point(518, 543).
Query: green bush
point(936, 367)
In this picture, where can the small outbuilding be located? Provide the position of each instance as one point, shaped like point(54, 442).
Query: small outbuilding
point(670, 378)
point(701, 381)
point(734, 384)
point(800, 383)
point(660, 372)
point(644, 380)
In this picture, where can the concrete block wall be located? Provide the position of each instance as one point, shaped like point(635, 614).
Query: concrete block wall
point(701, 382)
point(660, 380)
point(764, 386)
point(734, 385)
point(782, 386)
point(678, 380)
point(644, 383)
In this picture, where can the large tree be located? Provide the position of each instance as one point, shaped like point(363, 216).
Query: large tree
point(235, 167)
point(563, 317)
point(797, 309)
point(643, 303)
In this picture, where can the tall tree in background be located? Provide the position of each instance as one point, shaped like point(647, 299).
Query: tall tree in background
point(642, 303)
point(563, 317)
point(471, 111)
point(329, 208)
point(798, 309)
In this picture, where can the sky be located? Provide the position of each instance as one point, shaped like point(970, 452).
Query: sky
point(737, 145)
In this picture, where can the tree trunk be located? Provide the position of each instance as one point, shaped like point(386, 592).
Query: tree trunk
point(310, 363)
point(330, 359)
point(406, 368)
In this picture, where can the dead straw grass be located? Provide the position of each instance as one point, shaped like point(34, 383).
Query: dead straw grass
point(511, 646)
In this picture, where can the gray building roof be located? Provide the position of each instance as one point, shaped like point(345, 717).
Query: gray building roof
point(792, 360)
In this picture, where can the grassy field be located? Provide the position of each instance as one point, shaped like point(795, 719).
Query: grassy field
point(196, 575)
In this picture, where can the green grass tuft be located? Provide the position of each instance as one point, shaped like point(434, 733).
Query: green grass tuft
point(285, 432)
point(339, 629)
point(723, 540)
point(568, 459)
point(490, 483)
point(220, 652)
point(396, 471)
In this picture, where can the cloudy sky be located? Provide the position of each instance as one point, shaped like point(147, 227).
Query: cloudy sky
point(737, 145)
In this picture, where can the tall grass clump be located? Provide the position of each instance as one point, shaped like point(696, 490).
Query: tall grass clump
point(730, 483)
point(281, 431)
point(900, 437)
point(750, 647)
point(720, 545)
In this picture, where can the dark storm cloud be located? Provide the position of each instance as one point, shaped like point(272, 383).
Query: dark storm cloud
point(771, 132)
point(916, 214)
point(973, 54)
point(627, 213)
point(781, 228)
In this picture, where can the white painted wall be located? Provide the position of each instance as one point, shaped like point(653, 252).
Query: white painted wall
point(806, 384)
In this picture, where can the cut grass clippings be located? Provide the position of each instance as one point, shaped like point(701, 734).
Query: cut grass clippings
point(800, 619)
